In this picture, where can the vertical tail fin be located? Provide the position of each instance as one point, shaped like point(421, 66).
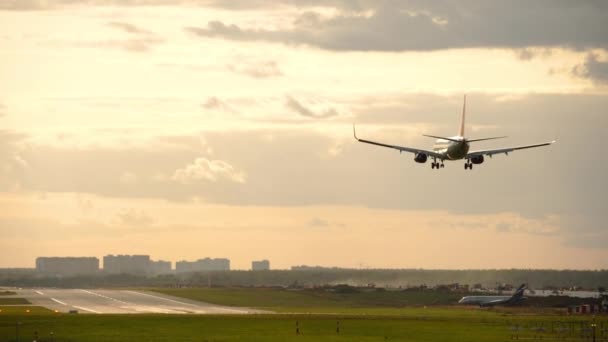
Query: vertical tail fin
point(464, 110)
point(520, 291)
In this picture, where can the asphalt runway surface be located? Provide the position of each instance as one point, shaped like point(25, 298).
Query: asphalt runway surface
point(103, 301)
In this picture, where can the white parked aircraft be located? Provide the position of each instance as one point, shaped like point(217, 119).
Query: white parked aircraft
point(453, 148)
point(517, 297)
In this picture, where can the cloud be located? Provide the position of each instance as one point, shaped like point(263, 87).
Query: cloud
point(266, 69)
point(299, 108)
point(317, 222)
point(423, 26)
point(203, 169)
point(139, 40)
point(13, 165)
point(143, 44)
point(129, 28)
point(593, 69)
point(240, 65)
point(214, 103)
point(504, 227)
point(48, 229)
point(32, 5)
point(134, 218)
point(39, 5)
point(393, 25)
point(2, 110)
point(529, 53)
point(128, 178)
point(24, 5)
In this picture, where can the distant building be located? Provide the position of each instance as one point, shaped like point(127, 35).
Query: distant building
point(185, 266)
point(67, 265)
point(129, 264)
point(261, 265)
point(160, 267)
point(202, 265)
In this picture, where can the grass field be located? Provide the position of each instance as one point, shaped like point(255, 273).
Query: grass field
point(361, 302)
point(13, 301)
point(313, 300)
point(368, 317)
point(446, 325)
point(17, 310)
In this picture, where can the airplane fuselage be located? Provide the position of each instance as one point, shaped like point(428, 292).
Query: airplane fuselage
point(483, 300)
point(452, 150)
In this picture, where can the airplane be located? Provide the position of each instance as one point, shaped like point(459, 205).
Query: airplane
point(517, 297)
point(452, 148)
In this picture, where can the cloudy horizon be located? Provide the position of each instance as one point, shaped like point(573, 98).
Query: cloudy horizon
point(202, 128)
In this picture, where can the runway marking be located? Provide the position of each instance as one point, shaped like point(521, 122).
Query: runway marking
point(40, 293)
point(106, 297)
point(163, 298)
point(201, 306)
point(85, 309)
point(58, 301)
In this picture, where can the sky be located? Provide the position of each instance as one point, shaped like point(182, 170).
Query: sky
point(191, 128)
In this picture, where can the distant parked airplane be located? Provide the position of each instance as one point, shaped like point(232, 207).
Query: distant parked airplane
point(517, 297)
point(453, 148)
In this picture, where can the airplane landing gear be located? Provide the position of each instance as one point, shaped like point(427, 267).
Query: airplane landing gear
point(436, 165)
point(468, 165)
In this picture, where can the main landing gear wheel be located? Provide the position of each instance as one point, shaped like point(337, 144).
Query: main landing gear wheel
point(435, 165)
point(468, 166)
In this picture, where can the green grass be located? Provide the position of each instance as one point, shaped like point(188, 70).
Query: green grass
point(7, 293)
point(284, 300)
point(365, 302)
point(13, 301)
point(23, 310)
point(447, 324)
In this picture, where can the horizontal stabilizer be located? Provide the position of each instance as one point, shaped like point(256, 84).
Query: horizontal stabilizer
point(437, 137)
point(482, 139)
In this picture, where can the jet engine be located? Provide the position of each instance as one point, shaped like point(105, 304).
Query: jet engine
point(477, 159)
point(420, 158)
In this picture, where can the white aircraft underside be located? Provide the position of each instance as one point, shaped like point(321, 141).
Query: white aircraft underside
point(453, 148)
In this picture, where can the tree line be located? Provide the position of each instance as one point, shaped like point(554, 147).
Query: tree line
point(307, 277)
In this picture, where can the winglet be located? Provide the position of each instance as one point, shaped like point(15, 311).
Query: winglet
point(355, 132)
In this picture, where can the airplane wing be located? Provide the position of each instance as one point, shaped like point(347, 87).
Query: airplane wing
point(399, 148)
point(490, 153)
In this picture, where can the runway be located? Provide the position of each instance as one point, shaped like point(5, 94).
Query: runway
point(103, 301)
